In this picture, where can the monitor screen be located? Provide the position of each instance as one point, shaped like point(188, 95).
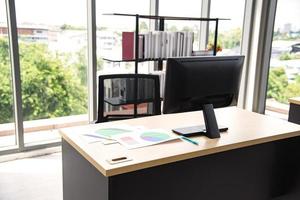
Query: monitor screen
point(194, 81)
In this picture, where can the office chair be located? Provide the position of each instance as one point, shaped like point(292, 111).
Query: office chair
point(118, 94)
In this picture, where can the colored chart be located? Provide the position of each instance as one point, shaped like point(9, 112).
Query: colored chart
point(154, 136)
point(108, 132)
point(129, 140)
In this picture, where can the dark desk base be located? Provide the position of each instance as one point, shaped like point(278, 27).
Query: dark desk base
point(260, 172)
point(294, 113)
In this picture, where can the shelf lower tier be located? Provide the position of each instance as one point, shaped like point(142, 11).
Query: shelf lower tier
point(118, 101)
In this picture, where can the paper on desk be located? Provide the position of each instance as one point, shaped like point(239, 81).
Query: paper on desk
point(104, 135)
point(143, 138)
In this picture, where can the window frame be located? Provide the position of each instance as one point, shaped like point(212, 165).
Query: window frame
point(256, 46)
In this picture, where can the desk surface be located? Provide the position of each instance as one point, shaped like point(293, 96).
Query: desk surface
point(295, 100)
point(245, 129)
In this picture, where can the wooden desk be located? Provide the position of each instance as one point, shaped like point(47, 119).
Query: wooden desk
point(255, 159)
point(294, 111)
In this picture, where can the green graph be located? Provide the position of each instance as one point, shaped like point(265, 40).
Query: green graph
point(109, 132)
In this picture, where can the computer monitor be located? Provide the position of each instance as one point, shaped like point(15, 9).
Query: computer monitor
point(192, 82)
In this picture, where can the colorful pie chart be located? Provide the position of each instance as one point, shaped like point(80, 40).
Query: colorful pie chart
point(109, 132)
point(154, 136)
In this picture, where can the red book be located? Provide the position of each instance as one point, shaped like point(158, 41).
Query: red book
point(128, 46)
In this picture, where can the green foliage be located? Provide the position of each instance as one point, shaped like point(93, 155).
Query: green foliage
point(172, 28)
point(50, 88)
point(229, 39)
point(289, 56)
point(187, 28)
point(286, 36)
point(102, 28)
point(143, 27)
point(100, 64)
point(279, 88)
point(293, 89)
point(71, 27)
point(6, 96)
point(277, 83)
point(79, 66)
point(285, 56)
point(4, 52)
point(297, 79)
point(65, 27)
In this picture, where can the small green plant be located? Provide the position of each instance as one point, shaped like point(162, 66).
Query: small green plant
point(285, 56)
point(289, 56)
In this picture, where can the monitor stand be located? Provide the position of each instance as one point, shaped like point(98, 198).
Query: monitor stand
point(211, 125)
point(210, 129)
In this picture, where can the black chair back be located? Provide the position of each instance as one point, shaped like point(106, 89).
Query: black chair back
point(120, 91)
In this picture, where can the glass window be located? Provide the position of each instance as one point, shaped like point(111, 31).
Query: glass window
point(188, 8)
point(53, 60)
point(7, 125)
point(110, 31)
point(284, 74)
point(230, 32)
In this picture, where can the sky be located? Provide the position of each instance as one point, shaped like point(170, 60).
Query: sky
point(52, 12)
point(58, 12)
point(288, 11)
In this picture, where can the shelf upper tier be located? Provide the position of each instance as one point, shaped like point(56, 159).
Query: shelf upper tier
point(133, 60)
point(167, 17)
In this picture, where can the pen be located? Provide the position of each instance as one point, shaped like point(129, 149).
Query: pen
point(97, 136)
point(189, 140)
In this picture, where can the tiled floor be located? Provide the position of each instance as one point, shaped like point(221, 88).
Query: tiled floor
point(38, 178)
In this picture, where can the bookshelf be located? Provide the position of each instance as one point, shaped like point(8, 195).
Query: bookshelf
point(161, 21)
point(136, 58)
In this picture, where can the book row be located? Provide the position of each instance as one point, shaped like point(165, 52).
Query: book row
point(158, 44)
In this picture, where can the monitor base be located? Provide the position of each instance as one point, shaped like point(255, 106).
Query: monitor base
point(210, 130)
point(195, 130)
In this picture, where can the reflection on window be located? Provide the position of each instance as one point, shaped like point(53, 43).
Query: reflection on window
point(284, 75)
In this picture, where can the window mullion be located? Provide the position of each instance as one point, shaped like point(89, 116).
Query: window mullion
point(264, 55)
point(92, 60)
point(16, 75)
